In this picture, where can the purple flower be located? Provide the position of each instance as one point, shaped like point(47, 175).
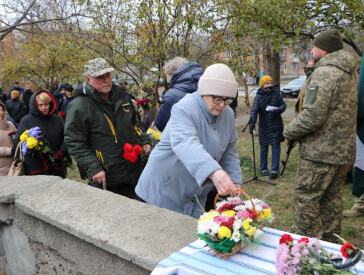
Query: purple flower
point(34, 132)
point(314, 245)
point(24, 147)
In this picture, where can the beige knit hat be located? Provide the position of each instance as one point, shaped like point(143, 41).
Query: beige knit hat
point(218, 80)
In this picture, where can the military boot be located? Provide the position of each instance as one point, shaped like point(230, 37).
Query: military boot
point(353, 213)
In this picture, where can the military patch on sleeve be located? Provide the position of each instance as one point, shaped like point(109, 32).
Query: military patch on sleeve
point(311, 95)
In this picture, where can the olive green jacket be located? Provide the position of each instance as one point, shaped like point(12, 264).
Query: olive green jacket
point(96, 131)
point(326, 126)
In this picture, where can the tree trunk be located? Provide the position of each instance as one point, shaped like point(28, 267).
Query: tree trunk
point(271, 63)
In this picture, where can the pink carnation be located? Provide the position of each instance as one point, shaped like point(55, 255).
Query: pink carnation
point(236, 202)
point(264, 205)
point(242, 214)
point(221, 219)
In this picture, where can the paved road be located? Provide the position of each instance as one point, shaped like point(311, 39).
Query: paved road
point(288, 115)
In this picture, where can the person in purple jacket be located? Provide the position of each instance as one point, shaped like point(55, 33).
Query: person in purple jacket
point(197, 148)
point(183, 77)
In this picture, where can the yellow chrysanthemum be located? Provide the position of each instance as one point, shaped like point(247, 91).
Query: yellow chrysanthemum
point(246, 223)
point(228, 213)
point(267, 213)
point(260, 216)
point(157, 135)
point(212, 214)
point(223, 232)
point(250, 231)
point(24, 135)
point(32, 142)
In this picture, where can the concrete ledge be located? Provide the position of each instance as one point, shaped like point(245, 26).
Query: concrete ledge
point(133, 231)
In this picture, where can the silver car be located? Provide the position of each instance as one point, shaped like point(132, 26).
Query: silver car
point(293, 88)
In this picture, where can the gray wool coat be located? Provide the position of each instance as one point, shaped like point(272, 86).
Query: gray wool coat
point(194, 144)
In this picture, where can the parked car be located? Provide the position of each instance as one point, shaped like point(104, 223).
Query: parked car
point(293, 87)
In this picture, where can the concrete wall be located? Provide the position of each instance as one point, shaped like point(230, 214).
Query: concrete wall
point(53, 226)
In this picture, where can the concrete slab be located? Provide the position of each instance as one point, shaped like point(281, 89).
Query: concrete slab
point(135, 231)
point(12, 187)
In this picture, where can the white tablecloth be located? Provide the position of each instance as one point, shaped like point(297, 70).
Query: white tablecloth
point(196, 258)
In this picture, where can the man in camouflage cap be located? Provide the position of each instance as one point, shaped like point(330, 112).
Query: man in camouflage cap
point(325, 128)
point(100, 121)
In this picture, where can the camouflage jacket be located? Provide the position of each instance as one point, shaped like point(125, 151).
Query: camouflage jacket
point(326, 125)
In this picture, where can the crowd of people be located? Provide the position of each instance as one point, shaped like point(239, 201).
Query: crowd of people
point(99, 126)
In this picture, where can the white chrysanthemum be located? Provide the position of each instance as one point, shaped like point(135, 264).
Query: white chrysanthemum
point(257, 201)
point(235, 236)
point(204, 215)
point(248, 205)
point(214, 227)
point(237, 224)
point(271, 219)
point(239, 207)
point(258, 208)
point(258, 233)
point(204, 226)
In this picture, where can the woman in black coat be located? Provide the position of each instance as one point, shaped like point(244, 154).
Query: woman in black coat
point(42, 107)
point(269, 105)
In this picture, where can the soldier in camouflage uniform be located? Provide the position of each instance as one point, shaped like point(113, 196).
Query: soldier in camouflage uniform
point(326, 129)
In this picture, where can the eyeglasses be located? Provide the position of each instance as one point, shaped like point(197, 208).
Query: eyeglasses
point(41, 105)
point(219, 99)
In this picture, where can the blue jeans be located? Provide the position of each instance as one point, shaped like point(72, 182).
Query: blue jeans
point(276, 154)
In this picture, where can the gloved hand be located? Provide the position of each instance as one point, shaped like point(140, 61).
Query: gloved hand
point(251, 129)
point(59, 155)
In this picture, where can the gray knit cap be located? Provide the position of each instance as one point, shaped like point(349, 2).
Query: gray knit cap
point(218, 80)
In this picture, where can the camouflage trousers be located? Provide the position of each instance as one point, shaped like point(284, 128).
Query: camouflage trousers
point(318, 199)
point(359, 203)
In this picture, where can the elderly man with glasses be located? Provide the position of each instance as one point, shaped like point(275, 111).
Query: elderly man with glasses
point(101, 120)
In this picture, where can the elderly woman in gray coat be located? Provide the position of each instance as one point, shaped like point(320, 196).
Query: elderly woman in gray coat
point(197, 148)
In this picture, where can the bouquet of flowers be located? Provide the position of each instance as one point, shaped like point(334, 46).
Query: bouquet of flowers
point(33, 141)
point(131, 153)
point(234, 224)
point(154, 137)
point(307, 256)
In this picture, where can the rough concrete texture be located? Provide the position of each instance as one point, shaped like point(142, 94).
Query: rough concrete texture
point(59, 252)
point(134, 231)
point(16, 256)
point(13, 187)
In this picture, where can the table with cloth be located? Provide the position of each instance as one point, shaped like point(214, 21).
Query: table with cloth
point(257, 258)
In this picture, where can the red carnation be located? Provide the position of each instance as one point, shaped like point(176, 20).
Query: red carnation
point(61, 114)
point(304, 240)
point(252, 214)
point(229, 223)
point(128, 147)
point(137, 149)
point(285, 239)
point(130, 152)
point(346, 249)
point(226, 206)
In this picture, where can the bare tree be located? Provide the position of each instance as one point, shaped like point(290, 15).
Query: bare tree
point(23, 15)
